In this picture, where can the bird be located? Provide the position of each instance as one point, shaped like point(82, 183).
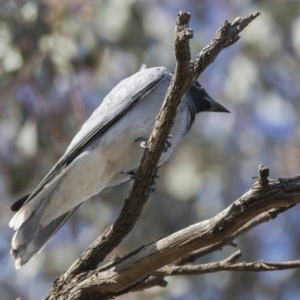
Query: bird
point(104, 153)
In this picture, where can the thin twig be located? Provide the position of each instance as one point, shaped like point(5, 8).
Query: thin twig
point(229, 264)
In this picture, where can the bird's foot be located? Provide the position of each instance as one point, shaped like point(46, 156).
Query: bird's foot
point(167, 145)
point(151, 188)
point(132, 173)
point(144, 143)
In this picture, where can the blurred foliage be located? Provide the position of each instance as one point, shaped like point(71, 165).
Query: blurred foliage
point(59, 58)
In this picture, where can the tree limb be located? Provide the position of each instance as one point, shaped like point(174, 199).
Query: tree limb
point(82, 280)
point(139, 194)
point(262, 218)
point(228, 264)
point(120, 276)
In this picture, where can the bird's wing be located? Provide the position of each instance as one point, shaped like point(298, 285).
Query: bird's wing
point(120, 100)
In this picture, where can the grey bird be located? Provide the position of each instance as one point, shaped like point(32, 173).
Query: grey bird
point(104, 153)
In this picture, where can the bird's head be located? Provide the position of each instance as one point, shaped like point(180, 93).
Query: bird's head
point(203, 101)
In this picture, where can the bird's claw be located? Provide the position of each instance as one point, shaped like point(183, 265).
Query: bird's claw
point(151, 188)
point(167, 146)
point(144, 145)
point(132, 174)
point(144, 142)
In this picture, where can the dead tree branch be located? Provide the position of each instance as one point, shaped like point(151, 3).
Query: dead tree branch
point(228, 264)
point(262, 218)
point(120, 276)
point(83, 280)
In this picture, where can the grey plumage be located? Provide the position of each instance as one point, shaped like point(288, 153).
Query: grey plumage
point(102, 154)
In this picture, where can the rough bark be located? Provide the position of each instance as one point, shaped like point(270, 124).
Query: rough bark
point(155, 260)
point(134, 271)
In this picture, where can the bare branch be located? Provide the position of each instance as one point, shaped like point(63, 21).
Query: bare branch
point(82, 280)
point(124, 273)
point(229, 264)
point(139, 194)
point(182, 79)
point(226, 36)
point(262, 218)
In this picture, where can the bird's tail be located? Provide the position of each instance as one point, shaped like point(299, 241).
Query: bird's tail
point(31, 237)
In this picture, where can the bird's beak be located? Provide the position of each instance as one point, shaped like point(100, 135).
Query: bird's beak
point(215, 106)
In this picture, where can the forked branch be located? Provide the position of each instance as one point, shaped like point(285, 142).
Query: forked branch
point(83, 280)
